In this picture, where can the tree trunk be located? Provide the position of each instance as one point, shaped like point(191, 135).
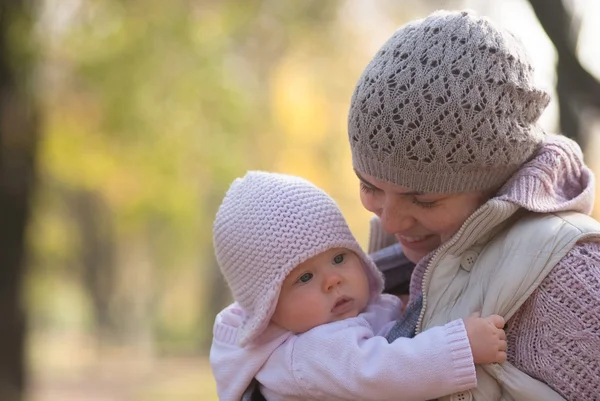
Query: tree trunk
point(94, 218)
point(18, 142)
point(217, 294)
point(576, 87)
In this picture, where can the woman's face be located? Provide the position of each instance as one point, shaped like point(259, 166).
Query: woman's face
point(420, 221)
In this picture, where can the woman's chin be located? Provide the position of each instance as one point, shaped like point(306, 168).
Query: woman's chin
point(413, 256)
point(415, 251)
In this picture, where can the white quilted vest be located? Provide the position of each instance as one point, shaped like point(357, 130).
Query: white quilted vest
point(493, 264)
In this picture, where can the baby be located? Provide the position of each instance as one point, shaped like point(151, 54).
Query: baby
point(309, 319)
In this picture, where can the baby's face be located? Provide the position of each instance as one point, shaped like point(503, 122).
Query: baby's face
point(326, 288)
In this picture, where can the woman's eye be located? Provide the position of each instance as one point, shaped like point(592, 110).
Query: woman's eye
point(367, 189)
point(423, 204)
point(305, 278)
point(337, 259)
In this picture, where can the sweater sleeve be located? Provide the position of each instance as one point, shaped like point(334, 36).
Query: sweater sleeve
point(346, 361)
point(555, 335)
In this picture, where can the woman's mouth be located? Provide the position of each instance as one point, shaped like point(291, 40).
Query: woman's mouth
point(413, 239)
point(418, 243)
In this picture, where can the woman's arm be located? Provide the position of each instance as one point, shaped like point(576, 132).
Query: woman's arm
point(555, 335)
point(396, 269)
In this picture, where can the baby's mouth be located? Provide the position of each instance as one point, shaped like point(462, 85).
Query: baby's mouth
point(342, 305)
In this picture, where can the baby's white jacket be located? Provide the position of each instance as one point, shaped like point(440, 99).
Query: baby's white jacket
point(344, 360)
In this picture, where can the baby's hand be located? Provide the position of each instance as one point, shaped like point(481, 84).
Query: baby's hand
point(487, 338)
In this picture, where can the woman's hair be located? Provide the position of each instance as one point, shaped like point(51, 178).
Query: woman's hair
point(448, 104)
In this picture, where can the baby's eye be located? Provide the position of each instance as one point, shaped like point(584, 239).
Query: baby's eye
point(337, 259)
point(305, 278)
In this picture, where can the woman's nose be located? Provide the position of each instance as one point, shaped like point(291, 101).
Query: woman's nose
point(395, 218)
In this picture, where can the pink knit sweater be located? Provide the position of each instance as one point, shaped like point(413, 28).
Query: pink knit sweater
point(555, 336)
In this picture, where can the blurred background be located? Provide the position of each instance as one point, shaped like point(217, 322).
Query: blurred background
point(123, 122)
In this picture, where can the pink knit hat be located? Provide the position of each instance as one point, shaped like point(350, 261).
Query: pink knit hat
point(267, 225)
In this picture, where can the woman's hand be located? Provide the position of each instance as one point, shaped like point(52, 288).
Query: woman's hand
point(487, 338)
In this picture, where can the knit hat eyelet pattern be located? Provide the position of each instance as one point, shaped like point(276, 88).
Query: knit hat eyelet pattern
point(268, 224)
point(447, 105)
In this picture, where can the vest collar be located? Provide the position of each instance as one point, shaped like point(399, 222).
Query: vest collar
point(482, 225)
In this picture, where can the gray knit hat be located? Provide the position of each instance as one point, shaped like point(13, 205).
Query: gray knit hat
point(266, 226)
point(447, 105)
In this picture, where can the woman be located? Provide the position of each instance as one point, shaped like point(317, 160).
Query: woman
point(493, 212)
